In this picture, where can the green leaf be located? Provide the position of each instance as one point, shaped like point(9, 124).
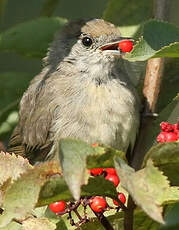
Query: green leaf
point(129, 31)
point(38, 223)
point(73, 156)
point(103, 157)
point(171, 219)
point(53, 190)
point(21, 38)
point(159, 39)
point(27, 189)
point(56, 189)
point(166, 157)
point(170, 83)
point(169, 51)
point(123, 13)
point(148, 187)
point(141, 222)
point(106, 188)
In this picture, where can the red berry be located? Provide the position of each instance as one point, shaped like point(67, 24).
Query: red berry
point(125, 45)
point(162, 137)
point(113, 178)
point(94, 145)
point(121, 197)
point(58, 206)
point(96, 171)
point(167, 137)
point(111, 171)
point(171, 137)
point(98, 204)
point(166, 126)
point(176, 128)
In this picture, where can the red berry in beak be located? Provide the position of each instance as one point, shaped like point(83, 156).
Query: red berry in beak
point(125, 46)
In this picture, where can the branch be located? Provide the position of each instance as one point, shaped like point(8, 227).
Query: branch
point(151, 90)
point(104, 221)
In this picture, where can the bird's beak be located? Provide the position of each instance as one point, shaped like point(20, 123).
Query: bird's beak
point(112, 48)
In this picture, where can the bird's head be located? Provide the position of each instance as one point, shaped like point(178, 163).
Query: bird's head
point(89, 41)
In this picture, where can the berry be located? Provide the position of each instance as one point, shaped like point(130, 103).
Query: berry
point(113, 178)
point(167, 137)
point(166, 126)
point(94, 145)
point(125, 45)
point(171, 137)
point(96, 171)
point(176, 128)
point(121, 197)
point(58, 206)
point(161, 137)
point(111, 171)
point(98, 204)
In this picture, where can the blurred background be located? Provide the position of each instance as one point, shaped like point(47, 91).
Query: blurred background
point(17, 68)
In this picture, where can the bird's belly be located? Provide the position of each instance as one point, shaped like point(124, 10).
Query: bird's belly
point(108, 118)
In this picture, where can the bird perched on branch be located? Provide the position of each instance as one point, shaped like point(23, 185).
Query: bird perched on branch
point(84, 91)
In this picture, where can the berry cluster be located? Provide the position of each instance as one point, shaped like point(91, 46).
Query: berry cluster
point(109, 174)
point(97, 203)
point(170, 132)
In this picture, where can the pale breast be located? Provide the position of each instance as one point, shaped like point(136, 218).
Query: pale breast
point(106, 114)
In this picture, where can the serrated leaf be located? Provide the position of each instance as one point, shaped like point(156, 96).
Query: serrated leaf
point(74, 154)
point(160, 39)
point(27, 189)
point(169, 51)
point(21, 37)
point(166, 157)
point(148, 187)
point(12, 166)
point(38, 224)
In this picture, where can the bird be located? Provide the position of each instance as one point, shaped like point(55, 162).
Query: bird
point(84, 91)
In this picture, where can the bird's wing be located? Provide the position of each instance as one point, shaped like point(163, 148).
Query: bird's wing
point(15, 143)
point(31, 136)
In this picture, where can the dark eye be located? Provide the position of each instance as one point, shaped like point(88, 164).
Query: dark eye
point(87, 41)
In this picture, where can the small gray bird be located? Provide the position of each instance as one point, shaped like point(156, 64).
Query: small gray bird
point(84, 91)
